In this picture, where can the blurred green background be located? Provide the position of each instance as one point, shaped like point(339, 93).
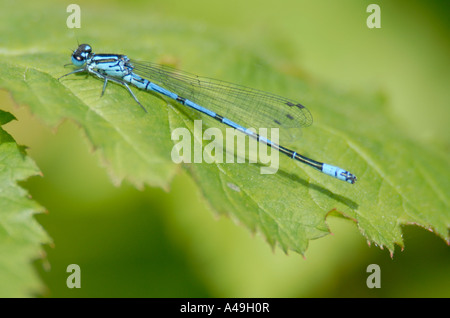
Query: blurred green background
point(151, 243)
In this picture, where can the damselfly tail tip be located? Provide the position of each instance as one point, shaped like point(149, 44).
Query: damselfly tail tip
point(346, 176)
point(352, 178)
point(339, 173)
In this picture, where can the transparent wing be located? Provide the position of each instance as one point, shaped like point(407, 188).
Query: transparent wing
point(250, 108)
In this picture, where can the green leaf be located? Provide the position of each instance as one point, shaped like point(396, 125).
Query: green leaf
point(20, 235)
point(399, 180)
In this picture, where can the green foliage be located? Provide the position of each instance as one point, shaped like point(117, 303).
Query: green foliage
point(20, 235)
point(399, 180)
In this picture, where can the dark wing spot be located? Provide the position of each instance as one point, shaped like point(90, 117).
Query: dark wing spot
point(277, 122)
point(289, 116)
point(289, 104)
point(300, 106)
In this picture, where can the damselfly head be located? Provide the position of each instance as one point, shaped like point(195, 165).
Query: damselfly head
point(81, 54)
